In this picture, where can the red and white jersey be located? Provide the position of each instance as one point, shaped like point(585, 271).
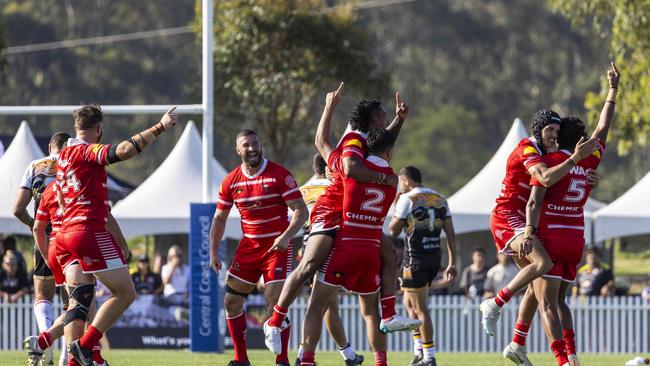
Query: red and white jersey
point(81, 177)
point(260, 198)
point(48, 209)
point(564, 202)
point(353, 143)
point(515, 188)
point(365, 206)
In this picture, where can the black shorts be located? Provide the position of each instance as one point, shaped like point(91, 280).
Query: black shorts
point(418, 274)
point(41, 269)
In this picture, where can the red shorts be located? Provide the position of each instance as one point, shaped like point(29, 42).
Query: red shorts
point(354, 267)
point(57, 270)
point(505, 226)
point(565, 252)
point(95, 251)
point(252, 261)
point(324, 218)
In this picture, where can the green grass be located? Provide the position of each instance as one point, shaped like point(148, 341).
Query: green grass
point(263, 358)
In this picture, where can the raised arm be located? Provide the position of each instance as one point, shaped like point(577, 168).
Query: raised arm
point(131, 147)
point(216, 234)
point(401, 113)
point(607, 114)
point(322, 138)
point(549, 176)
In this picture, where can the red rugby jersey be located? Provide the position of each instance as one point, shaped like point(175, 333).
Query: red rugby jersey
point(515, 188)
point(81, 177)
point(365, 206)
point(260, 198)
point(564, 202)
point(353, 143)
point(48, 209)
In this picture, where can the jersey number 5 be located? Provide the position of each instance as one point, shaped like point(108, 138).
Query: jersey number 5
point(577, 190)
point(372, 204)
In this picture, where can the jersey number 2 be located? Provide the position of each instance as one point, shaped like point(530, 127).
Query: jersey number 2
point(372, 204)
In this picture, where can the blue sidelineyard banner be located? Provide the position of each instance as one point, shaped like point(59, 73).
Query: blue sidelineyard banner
point(206, 289)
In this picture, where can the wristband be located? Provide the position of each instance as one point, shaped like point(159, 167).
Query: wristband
point(534, 228)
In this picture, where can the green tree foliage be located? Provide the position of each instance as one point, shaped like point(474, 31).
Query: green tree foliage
point(273, 61)
point(626, 24)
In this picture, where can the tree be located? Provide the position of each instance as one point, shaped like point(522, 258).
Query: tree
point(3, 61)
point(627, 26)
point(274, 59)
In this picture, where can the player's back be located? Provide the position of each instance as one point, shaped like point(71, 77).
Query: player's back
point(365, 206)
point(352, 144)
point(427, 210)
point(48, 210)
point(515, 188)
point(563, 207)
point(39, 174)
point(81, 177)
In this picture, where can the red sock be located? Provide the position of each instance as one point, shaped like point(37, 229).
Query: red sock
point(97, 355)
point(520, 333)
point(307, 359)
point(237, 327)
point(278, 316)
point(569, 341)
point(503, 297)
point(91, 338)
point(284, 356)
point(387, 307)
point(381, 359)
point(558, 351)
point(45, 340)
point(72, 361)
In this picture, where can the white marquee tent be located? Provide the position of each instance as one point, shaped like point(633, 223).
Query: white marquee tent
point(161, 204)
point(14, 161)
point(472, 204)
point(628, 215)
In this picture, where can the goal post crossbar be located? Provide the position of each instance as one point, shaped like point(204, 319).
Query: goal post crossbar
point(106, 109)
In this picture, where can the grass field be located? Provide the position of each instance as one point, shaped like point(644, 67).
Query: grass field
point(264, 358)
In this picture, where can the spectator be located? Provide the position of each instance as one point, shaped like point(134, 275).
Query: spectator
point(9, 244)
point(175, 277)
point(595, 278)
point(158, 262)
point(13, 284)
point(645, 294)
point(499, 276)
point(145, 281)
point(473, 277)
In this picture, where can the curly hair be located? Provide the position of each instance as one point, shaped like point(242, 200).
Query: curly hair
point(380, 140)
point(360, 118)
point(87, 116)
point(572, 130)
point(541, 119)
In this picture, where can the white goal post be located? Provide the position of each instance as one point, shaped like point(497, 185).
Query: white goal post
point(206, 108)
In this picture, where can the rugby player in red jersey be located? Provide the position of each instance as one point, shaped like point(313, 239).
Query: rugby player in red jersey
point(82, 183)
point(262, 191)
point(326, 214)
point(507, 221)
point(556, 216)
point(365, 206)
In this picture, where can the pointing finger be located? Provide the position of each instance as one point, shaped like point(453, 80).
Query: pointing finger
point(398, 101)
point(614, 67)
point(171, 110)
point(340, 87)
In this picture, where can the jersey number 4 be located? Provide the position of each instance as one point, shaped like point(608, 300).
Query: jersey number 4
point(373, 204)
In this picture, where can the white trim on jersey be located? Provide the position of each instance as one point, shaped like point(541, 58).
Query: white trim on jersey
point(252, 182)
point(556, 226)
point(226, 203)
point(365, 226)
point(290, 191)
point(378, 161)
point(255, 198)
point(264, 163)
point(562, 214)
point(260, 236)
point(257, 222)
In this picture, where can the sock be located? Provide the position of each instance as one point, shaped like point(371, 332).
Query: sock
point(428, 350)
point(63, 355)
point(387, 307)
point(237, 327)
point(72, 361)
point(417, 344)
point(348, 352)
point(569, 337)
point(503, 297)
point(97, 355)
point(45, 340)
point(381, 359)
point(283, 357)
point(279, 313)
point(91, 338)
point(43, 314)
point(307, 359)
point(558, 351)
point(301, 350)
point(520, 333)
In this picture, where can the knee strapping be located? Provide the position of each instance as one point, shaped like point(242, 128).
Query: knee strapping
point(231, 290)
point(83, 296)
